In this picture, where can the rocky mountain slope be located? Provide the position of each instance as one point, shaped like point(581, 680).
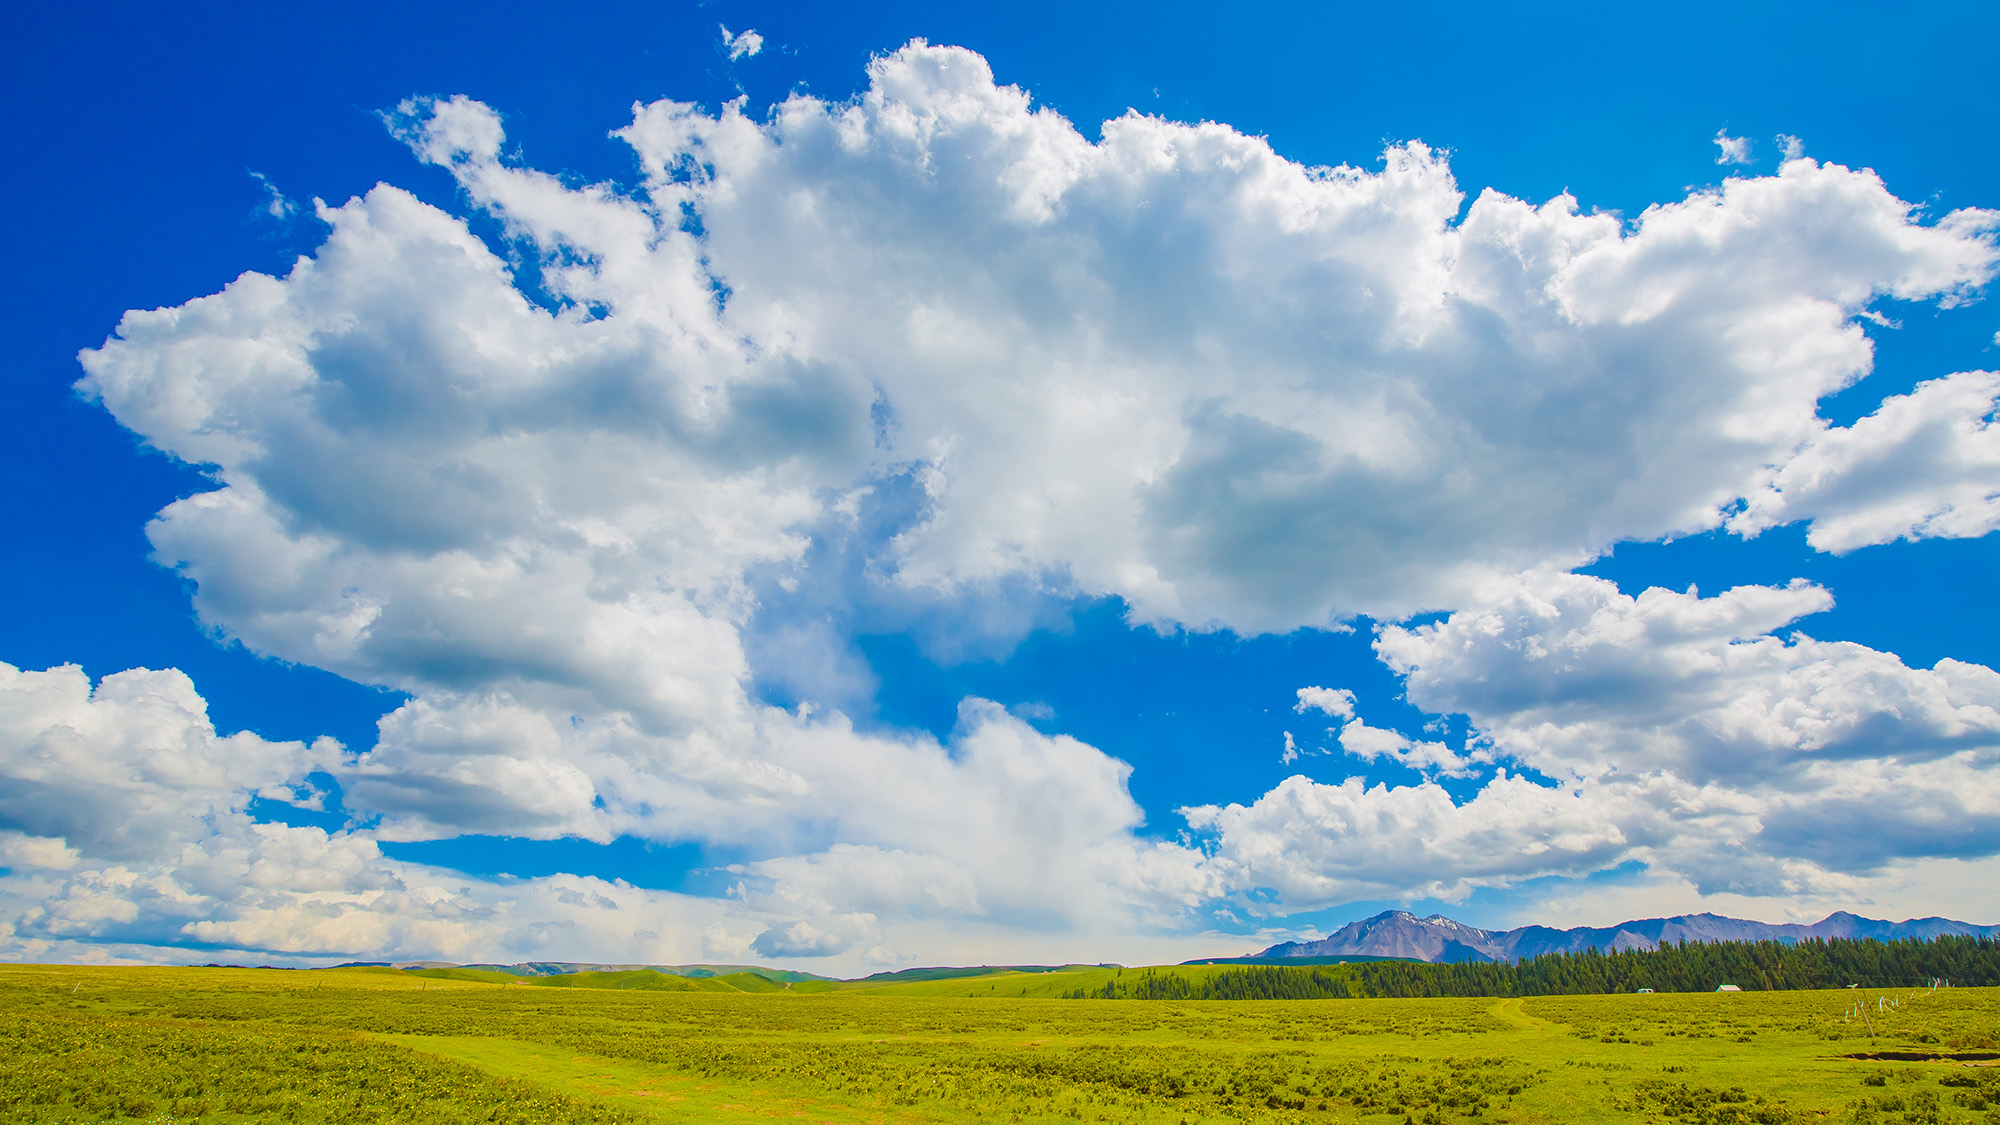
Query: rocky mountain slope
point(1398, 933)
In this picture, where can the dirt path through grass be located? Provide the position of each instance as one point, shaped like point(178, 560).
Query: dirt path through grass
point(647, 1092)
point(1514, 1013)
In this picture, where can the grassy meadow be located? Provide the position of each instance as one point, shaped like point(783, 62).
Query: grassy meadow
point(159, 1045)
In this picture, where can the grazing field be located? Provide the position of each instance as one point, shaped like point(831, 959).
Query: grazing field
point(166, 1045)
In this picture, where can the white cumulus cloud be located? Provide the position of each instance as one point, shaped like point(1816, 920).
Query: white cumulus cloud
point(1316, 845)
point(1337, 702)
point(1668, 729)
point(1369, 743)
point(129, 767)
point(125, 830)
point(1924, 465)
point(1783, 761)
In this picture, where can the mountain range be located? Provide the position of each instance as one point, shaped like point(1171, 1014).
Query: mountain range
point(1399, 933)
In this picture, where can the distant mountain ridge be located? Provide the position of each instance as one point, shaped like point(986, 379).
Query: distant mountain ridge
point(1399, 933)
point(563, 968)
point(781, 976)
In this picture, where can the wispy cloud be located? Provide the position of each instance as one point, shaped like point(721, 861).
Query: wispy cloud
point(741, 46)
point(275, 203)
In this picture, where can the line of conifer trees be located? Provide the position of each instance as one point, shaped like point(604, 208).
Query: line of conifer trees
point(1674, 967)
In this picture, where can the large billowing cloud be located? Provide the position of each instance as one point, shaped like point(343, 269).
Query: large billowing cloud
point(131, 767)
point(1170, 366)
point(1834, 757)
point(1176, 367)
point(124, 821)
point(1670, 729)
point(125, 827)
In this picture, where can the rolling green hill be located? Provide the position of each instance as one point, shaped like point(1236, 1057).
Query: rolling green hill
point(569, 968)
point(652, 980)
point(1065, 982)
point(1294, 962)
point(949, 973)
point(485, 976)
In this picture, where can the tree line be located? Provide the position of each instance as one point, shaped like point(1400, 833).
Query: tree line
point(1754, 966)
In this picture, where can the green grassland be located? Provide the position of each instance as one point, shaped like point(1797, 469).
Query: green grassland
point(558, 968)
point(168, 1045)
point(643, 980)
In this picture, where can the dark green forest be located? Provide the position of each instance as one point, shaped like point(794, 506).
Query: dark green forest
point(1754, 966)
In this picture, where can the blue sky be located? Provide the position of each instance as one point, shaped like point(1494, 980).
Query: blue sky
point(759, 541)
